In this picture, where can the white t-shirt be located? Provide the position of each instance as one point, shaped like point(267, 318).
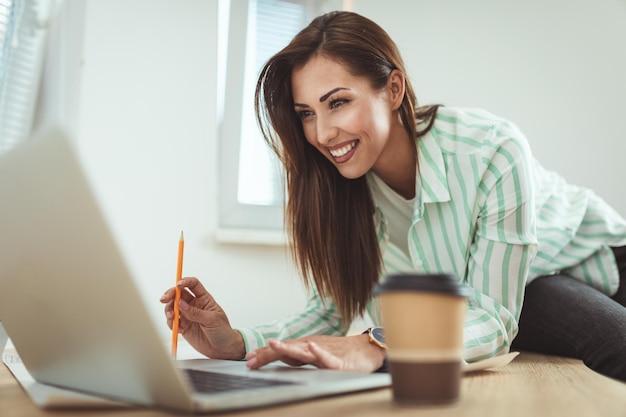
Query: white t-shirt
point(396, 209)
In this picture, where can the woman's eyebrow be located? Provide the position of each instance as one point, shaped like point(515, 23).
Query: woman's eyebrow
point(324, 97)
point(331, 92)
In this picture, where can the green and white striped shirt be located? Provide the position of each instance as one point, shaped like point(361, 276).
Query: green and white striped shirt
point(488, 212)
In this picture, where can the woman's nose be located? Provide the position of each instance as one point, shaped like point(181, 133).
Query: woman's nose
point(326, 131)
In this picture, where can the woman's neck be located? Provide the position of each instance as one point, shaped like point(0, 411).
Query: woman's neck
point(397, 164)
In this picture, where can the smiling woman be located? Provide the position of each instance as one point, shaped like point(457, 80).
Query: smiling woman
point(341, 116)
point(378, 184)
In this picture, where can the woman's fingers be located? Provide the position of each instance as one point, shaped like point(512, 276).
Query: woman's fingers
point(294, 354)
point(168, 295)
point(192, 286)
point(187, 287)
point(195, 314)
point(291, 353)
point(264, 355)
point(186, 296)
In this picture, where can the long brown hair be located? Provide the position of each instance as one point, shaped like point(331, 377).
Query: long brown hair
point(330, 219)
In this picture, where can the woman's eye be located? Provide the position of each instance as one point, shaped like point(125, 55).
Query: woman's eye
point(303, 114)
point(337, 103)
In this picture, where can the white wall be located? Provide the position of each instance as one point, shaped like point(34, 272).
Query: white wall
point(148, 131)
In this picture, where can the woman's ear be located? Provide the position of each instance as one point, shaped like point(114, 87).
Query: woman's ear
point(396, 85)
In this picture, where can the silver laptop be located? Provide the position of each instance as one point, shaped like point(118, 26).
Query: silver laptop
point(73, 311)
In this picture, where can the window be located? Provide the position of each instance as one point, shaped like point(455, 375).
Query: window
point(22, 38)
point(250, 191)
point(273, 23)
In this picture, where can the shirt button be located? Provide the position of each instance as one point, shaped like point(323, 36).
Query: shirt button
point(418, 263)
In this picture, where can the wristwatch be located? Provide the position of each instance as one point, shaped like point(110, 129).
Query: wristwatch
point(377, 336)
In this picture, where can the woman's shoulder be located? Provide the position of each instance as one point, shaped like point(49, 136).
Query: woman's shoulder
point(468, 117)
point(474, 130)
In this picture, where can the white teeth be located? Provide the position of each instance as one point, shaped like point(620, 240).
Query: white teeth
point(342, 151)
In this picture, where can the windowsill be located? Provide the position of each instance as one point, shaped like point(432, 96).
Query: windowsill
point(251, 237)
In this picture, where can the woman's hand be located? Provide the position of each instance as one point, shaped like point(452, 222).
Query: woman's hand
point(353, 353)
point(202, 322)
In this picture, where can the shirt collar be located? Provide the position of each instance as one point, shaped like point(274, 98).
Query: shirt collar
point(431, 185)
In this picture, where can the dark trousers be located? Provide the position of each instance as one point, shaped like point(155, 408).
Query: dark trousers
point(563, 316)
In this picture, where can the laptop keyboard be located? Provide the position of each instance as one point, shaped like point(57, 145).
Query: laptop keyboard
point(211, 382)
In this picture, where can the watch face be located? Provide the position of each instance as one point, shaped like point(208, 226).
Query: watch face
point(377, 333)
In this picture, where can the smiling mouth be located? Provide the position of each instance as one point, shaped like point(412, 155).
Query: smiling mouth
point(344, 150)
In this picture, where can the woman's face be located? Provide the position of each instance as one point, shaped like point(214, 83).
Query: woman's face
point(348, 121)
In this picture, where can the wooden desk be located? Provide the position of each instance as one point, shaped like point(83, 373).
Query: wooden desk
point(532, 385)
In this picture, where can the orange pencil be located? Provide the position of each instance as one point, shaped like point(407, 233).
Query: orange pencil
point(179, 276)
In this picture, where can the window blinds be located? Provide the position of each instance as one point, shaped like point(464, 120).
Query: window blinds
point(273, 23)
point(22, 41)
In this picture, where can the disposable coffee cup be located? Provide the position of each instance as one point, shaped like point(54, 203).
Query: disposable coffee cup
point(423, 318)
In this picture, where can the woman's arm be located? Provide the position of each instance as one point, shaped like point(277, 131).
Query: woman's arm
point(320, 317)
point(504, 246)
point(497, 278)
point(312, 337)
